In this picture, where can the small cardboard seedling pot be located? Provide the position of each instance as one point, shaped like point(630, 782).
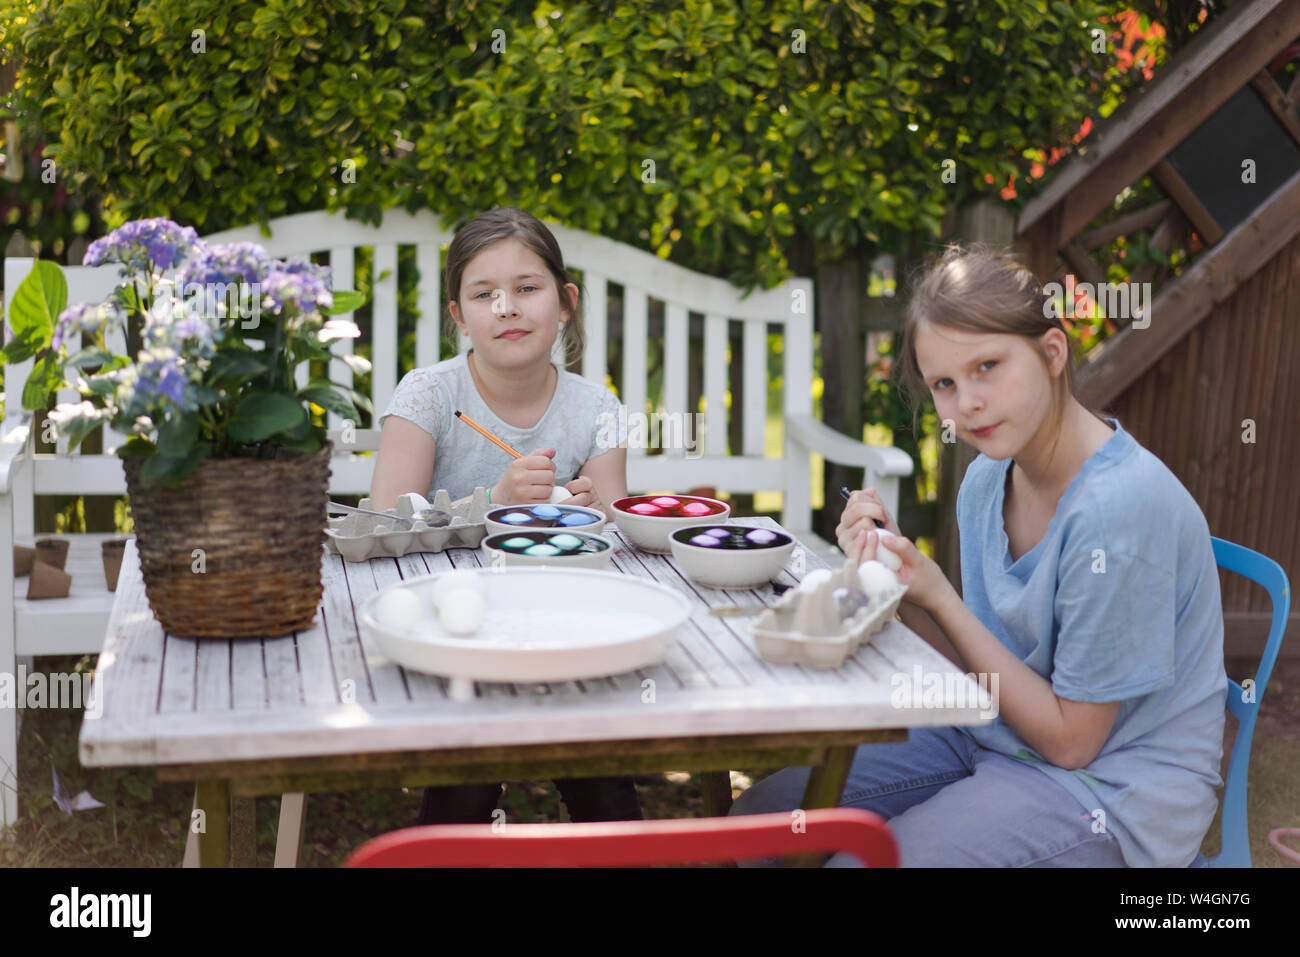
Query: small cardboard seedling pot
point(48, 581)
point(24, 555)
point(52, 551)
point(112, 552)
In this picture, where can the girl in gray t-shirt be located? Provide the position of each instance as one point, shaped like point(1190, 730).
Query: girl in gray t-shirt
point(511, 295)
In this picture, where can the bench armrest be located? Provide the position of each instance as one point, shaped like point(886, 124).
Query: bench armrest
point(13, 441)
point(817, 436)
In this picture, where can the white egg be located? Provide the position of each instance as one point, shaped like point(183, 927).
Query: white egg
point(411, 503)
point(462, 610)
point(876, 578)
point(453, 580)
point(398, 610)
point(883, 552)
point(560, 494)
point(814, 578)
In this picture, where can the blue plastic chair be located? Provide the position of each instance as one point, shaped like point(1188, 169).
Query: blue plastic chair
point(1235, 846)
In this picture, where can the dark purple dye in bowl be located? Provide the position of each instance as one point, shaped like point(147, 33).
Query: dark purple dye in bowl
point(731, 538)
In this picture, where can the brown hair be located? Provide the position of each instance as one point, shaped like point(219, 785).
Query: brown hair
point(978, 290)
point(507, 222)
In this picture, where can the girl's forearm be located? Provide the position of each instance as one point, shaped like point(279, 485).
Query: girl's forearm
point(918, 619)
point(1025, 699)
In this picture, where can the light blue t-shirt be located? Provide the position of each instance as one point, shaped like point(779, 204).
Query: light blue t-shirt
point(1119, 601)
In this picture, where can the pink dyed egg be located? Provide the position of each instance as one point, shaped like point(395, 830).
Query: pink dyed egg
point(645, 508)
point(696, 508)
point(665, 502)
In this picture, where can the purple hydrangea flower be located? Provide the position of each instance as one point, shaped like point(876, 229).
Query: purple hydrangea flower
point(142, 242)
point(235, 262)
point(296, 293)
point(162, 376)
point(84, 317)
point(297, 266)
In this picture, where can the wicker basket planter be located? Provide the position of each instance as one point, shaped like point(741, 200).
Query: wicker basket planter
point(260, 524)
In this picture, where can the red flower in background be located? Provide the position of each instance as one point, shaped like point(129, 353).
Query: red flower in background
point(1129, 42)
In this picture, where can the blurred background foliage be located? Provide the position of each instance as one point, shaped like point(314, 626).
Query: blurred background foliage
point(781, 134)
point(752, 141)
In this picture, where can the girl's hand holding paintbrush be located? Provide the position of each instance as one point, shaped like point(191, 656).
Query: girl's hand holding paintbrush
point(528, 480)
point(864, 512)
point(859, 538)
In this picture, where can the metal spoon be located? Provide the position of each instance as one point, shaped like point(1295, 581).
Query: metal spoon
point(434, 517)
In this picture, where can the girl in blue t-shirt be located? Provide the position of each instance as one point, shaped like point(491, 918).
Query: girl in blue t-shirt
point(987, 345)
point(510, 292)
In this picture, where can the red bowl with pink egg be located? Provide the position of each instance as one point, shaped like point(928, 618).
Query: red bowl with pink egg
point(648, 520)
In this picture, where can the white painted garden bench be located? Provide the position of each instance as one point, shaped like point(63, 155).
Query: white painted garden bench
point(76, 625)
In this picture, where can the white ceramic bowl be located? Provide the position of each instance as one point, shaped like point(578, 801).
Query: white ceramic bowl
point(494, 526)
point(729, 568)
point(508, 558)
point(542, 624)
point(650, 532)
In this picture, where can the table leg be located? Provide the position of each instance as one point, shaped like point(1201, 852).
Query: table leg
point(716, 786)
point(288, 840)
point(214, 839)
point(825, 787)
point(243, 832)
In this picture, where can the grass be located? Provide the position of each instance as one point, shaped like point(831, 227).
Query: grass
point(143, 823)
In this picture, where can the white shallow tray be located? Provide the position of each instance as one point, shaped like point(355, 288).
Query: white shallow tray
point(542, 624)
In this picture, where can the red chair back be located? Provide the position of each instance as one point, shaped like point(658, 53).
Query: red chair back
point(635, 843)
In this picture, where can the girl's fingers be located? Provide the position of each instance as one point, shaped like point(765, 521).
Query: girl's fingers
point(856, 544)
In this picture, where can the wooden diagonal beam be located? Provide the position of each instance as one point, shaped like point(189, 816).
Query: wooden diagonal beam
point(1169, 230)
point(1119, 361)
point(1276, 101)
point(1184, 196)
point(1139, 145)
point(1128, 223)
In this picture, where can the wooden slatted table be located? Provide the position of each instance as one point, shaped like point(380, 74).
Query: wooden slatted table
point(323, 710)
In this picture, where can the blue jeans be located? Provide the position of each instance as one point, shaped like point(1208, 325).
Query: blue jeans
point(951, 803)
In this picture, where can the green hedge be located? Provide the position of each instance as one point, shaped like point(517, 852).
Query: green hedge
point(778, 131)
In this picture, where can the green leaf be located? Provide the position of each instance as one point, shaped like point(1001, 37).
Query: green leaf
point(262, 414)
point(101, 385)
point(328, 399)
point(137, 446)
point(160, 468)
point(178, 435)
point(90, 356)
point(345, 300)
point(38, 300)
point(235, 364)
point(24, 347)
point(361, 401)
point(41, 384)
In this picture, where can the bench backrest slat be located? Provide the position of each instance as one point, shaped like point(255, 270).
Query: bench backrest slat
point(650, 322)
point(715, 385)
point(342, 263)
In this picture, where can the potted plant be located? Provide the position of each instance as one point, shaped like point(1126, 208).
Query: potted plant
point(227, 465)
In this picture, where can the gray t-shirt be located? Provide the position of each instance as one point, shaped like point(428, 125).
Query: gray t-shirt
point(581, 423)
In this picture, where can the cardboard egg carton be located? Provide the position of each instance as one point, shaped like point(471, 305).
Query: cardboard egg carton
point(359, 538)
point(803, 627)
